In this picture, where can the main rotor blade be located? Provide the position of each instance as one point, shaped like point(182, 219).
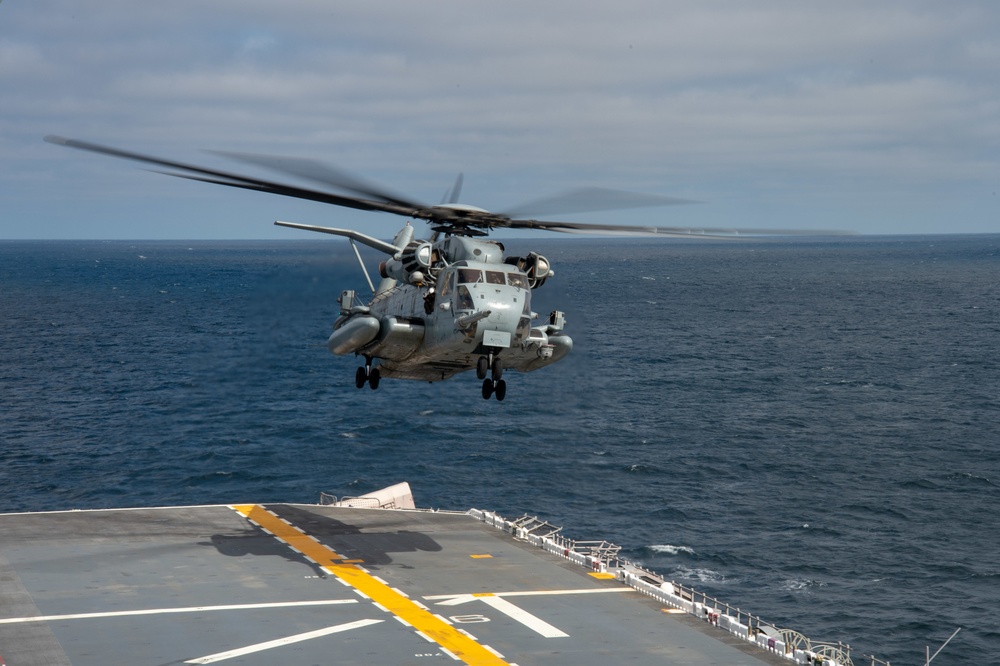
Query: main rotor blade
point(687, 232)
point(323, 174)
point(229, 179)
point(448, 218)
point(591, 199)
point(452, 195)
point(289, 191)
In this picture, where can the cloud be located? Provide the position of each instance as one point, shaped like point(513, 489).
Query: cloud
point(889, 102)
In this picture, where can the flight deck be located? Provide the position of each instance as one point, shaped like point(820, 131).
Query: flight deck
point(310, 584)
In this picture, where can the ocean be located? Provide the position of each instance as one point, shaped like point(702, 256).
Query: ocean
point(808, 429)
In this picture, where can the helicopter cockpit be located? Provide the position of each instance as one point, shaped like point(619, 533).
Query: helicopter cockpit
point(501, 292)
point(465, 280)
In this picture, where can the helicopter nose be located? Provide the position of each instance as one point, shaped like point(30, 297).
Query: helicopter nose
point(497, 316)
point(503, 307)
point(504, 314)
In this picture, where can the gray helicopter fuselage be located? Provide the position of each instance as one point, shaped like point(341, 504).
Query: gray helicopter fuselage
point(439, 321)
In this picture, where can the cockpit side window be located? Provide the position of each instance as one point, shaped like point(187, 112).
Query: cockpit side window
point(446, 282)
point(517, 280)
point(469, 275)
point(495, 277)
point(463, 299)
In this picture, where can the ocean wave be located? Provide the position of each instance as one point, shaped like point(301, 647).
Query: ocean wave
point(800, 584)
point(919, 484)
point(971, 478)
point(639, 468)
point(700, 574)
point(670, 550)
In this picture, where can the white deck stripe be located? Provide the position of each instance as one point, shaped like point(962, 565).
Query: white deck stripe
point(533, 622)
point(188, 609)
point(494, 651)
point(537, 593)
point(250, 649)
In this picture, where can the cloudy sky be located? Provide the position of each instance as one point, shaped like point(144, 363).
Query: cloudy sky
point(876, 117)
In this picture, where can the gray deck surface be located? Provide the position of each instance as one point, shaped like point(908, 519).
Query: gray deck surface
point(184, 566)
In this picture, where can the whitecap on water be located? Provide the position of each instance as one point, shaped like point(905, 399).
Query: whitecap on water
point(700, 575)
point(800, 585)
point(670, 549)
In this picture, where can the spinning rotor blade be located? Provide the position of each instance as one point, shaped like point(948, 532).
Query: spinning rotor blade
point(323, 174)
point(449, 217)
point(452, 195)
point(685, 232)
point(591, 199)
point(244, 182)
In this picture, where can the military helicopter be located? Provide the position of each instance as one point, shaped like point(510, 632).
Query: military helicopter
point(447, 304)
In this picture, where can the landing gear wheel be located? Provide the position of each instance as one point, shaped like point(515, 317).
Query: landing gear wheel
point(501, 390)
point(497, 369)
point(482, 367)
point(360, 377)
point(487, 389)
point(374, 377)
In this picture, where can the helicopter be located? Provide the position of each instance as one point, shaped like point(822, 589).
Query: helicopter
point(445, 304)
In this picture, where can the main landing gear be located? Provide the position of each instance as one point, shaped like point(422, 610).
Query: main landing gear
point(497, 387)
point(494, 385)
point(367, 375)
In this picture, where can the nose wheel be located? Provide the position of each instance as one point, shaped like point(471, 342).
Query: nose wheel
point(489, 364)
point(367, 375)
point(492, 365)
point(494, 387)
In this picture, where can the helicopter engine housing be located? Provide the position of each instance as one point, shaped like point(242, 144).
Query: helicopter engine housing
point(412, 265)
point(535, 266)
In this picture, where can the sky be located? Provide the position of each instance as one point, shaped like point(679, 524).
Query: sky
point(872, 117)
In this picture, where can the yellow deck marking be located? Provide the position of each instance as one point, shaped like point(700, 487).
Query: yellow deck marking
point(463, 647)
point(602, 575)
point(484, 556)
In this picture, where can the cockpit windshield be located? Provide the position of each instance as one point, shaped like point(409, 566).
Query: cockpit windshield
point(477, 276)
point(469, 275)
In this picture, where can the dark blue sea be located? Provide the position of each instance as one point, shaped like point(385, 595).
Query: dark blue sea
point(808, 429)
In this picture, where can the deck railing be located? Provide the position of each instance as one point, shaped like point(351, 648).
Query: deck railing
point(602, 556)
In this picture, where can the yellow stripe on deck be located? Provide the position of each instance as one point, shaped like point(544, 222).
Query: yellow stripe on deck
point(460, 645)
